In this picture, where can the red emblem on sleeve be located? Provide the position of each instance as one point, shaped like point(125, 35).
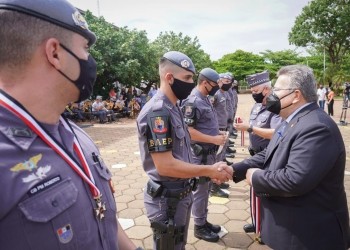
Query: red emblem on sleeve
point(159, 125)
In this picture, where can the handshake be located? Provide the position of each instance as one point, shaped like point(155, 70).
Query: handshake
point(220, 172)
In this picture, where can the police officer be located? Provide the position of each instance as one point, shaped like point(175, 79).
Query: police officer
point(55, 189)
point(261, 127)
point(166, 154)
point(234, 101)
point(222, 106)
point(203, 126)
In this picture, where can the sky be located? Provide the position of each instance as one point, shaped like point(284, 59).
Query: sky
point(221, 26)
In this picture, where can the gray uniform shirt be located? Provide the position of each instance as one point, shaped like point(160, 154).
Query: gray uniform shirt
point(221, 108)
point(262, 118)
point(44, 204)
point(229, 105)
point(234, 99)
point(169, 121)
point(205, 118)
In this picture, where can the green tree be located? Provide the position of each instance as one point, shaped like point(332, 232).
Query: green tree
point(275, 60)
point(240, 63)
point(169, 41)
point(324, 25)
point(121, 55)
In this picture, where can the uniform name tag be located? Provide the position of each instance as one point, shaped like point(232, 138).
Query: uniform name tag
point(44, 185)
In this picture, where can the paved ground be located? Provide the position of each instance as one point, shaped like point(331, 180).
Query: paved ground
point(119, 147)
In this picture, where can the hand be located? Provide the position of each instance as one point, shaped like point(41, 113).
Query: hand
point(221, 172)
point(249, 175)
point(241, 126)
point(219, 139)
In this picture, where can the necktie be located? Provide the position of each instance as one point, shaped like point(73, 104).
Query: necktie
point(281, 129)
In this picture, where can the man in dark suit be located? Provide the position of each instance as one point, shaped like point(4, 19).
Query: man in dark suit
point(300, 176)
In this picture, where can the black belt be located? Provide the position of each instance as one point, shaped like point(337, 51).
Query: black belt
point(174, 189)
point(223, 129)
point(210, 151)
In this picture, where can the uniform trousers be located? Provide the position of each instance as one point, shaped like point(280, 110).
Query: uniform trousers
point(157, 211)
point(201, 195)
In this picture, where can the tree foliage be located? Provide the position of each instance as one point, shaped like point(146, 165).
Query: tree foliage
point(169, 41)
point(324, 24)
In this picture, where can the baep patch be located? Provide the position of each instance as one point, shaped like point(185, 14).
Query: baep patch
point(65, 234)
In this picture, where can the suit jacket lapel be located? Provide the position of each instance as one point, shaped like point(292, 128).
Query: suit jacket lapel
point(276, 139)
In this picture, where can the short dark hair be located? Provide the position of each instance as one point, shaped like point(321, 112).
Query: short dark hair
point(21, 34)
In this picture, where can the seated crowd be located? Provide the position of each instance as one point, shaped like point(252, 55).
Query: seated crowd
point(103, 110)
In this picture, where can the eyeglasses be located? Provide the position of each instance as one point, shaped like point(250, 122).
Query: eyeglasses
point(278, 89)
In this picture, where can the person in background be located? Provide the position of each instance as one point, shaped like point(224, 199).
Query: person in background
point(200, 117)
point(321, 93)
point(330, 101)
point(261, 127)
point(56, 189)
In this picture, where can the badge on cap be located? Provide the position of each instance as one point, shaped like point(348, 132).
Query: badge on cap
point(185, 64)
point(79, 20)
point(65, 234)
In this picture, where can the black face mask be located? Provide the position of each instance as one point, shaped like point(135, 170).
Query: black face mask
point(213, 90)
point(273, 103)
point(181, 89)
point(226, 87)
point(258, 97)
point(87, 77)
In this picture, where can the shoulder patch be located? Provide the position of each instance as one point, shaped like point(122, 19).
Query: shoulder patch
point(189, 112)
point(159, 131)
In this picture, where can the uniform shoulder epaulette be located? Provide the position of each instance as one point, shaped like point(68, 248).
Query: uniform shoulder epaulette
point(158, 105)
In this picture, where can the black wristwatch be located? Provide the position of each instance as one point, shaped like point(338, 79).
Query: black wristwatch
point(250, 129)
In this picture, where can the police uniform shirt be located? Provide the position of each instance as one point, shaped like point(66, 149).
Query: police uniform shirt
point(221, 108)
point(229, 105)
point(233, 95)
point(161, 128)
point(204, 118)
point(44, 204)
point(262, 118)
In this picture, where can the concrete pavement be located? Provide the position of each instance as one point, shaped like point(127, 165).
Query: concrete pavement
point(118, 144)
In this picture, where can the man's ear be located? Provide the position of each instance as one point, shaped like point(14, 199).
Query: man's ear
point(53, 52)
point(169, 78)
point(298, 96)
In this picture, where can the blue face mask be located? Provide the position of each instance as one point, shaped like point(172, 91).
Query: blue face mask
point(181, 89)
point(87, 77)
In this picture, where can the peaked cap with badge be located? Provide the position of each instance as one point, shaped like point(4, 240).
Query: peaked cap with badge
point(257, 79)
point(210, 74)
point(181, 60)
point(226, 76)
point(58, 12)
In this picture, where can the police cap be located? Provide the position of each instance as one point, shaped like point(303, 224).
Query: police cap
point(226, 76)
point(181, 60)
point(58, 12)
point(257, 79)
point(210, 74)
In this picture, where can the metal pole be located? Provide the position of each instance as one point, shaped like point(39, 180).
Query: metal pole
point(324, 64)
point(98, 8)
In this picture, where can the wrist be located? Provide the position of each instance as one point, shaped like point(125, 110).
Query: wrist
point(250, 129)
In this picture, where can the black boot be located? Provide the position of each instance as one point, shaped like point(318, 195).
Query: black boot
point(224, 185)
point(216, 191)
point(231, 150)
point(229, 155)
point(204, 233)
point(228, 162)
point(213, 228)
point(249, 228)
